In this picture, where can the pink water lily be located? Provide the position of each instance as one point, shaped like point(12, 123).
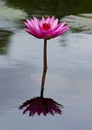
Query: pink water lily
point(45, 28)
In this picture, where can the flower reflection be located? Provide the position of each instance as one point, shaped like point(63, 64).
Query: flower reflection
point(41, 105)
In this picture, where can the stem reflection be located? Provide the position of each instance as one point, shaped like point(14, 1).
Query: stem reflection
point(41, 105)
point(43, 82)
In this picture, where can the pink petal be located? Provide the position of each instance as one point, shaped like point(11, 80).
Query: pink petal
point(42, 21)
point(26, 24)
point(32, 33)
point(59, 27)
point(31, 25)
point(36, 20)
point(51, 20)
point(47, 20)
point(64, 29)
point(54, 24)
point(35, 27)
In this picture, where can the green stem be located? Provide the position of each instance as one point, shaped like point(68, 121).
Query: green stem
point(45, 55)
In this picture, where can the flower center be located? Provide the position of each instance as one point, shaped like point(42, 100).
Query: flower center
point(46, 26)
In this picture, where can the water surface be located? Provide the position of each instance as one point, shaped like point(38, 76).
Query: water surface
point(69, 75)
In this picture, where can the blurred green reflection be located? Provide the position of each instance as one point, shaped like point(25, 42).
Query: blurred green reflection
point(45, 7)
point(58, 8)
point(4, 40)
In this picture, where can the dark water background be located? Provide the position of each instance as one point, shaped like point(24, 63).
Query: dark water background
point(69, 75)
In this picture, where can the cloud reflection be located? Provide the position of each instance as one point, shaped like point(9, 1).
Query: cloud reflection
point(41, 105)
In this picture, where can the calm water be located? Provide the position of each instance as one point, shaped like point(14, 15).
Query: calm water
point(69, 75)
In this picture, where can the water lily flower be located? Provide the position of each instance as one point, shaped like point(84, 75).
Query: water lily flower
point(46, 28)
point(40, 105)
